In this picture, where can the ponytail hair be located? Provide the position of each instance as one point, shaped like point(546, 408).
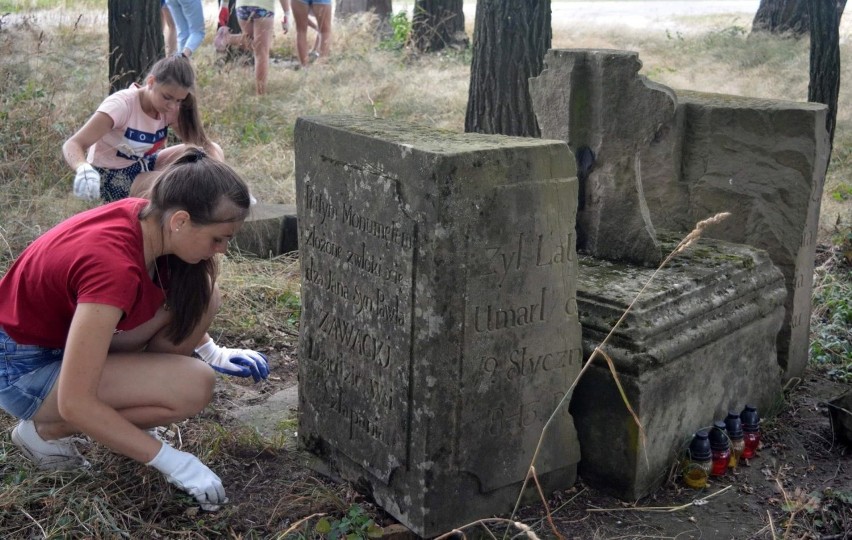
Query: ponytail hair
point(178, 70)
point(199, 185)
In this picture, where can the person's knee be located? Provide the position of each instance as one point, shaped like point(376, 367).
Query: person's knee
point(199, 391)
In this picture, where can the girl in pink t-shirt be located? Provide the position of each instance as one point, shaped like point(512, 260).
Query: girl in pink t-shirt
point(121, 149)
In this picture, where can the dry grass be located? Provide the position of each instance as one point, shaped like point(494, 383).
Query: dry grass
point(53, 75)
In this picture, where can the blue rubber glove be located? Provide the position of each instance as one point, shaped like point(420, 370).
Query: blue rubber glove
point(236, 362)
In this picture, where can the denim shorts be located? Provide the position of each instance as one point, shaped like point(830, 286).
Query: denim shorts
point(247, 13)
point(317, 2)
point(115, 183)
point(27, 374)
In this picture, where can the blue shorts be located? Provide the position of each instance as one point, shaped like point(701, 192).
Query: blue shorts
point(115, 183)
point(317, 2)
point(27, 374)
point(247, 13)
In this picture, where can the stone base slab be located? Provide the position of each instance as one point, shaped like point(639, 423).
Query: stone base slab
point(699, 341)
point(270, 230)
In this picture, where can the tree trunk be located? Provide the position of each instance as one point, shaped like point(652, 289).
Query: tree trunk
point(135, 40)
point(509, 42)
point(782, 16)
point(824, 85)
point(438, 24)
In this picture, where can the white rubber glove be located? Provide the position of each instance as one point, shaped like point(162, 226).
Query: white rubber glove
point(188, 473)
point(87, 183)
point(236, 362)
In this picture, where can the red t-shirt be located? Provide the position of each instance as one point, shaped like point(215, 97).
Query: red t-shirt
point(96, 256)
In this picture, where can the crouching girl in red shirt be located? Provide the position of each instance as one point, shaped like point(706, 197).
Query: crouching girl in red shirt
point(100, 315)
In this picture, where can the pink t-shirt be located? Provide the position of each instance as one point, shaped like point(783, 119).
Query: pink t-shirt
point(134, 134)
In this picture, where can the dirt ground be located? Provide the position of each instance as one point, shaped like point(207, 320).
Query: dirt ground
point(799, 485)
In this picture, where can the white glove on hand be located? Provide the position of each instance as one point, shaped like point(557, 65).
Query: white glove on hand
point(236, 362)
point(87, 183)
point(188, 473)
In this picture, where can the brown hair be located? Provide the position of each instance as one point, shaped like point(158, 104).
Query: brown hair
point(199, 185)
point(178, 70)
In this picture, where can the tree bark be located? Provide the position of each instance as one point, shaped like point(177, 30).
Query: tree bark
point(509, 42)
point(782, 16)
point(824, 84)
point(438, 24)
point(135, 40)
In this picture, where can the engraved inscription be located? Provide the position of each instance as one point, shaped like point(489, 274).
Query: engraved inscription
point(375, 301)
point(490, 317)
point(505, 420)
point(525, 361)
point(522, 340)
point(536, 250)
point(357, 253)
point(319, 203)
point(355, 339)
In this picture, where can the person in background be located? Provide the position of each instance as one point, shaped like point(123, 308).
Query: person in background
point(189, 19)
point(100, 315)
point(256, 18)
point(321, 9)
point(169, 30)
point(121, 148)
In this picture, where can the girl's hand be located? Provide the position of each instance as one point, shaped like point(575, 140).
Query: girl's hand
point(285, 25)
point(87, 183)
point(236, 362)
point(188, 473)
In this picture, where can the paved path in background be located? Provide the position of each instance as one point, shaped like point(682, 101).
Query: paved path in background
point(634, 14)
point(648, 14)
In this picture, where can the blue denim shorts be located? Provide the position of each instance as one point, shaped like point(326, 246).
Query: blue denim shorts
point(27, 374)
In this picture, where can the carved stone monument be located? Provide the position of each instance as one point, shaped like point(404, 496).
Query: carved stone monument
point(439, 326)
point(698, 342)
point(608, 116)
point(764, 162)
point(708, 339)
point(761, 160)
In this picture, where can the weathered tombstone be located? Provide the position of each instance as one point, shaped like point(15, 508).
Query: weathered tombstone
point(761, 160)
point(269, 230)
point(709, 337)
point(594, 100)
point(439, 328)
point(699, 341)
point(764, 161)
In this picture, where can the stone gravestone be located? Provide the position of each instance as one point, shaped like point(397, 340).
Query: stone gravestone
point(696, 154)
point(439, 327)
point(608, 116)
point(706, 337)
point(764, 161)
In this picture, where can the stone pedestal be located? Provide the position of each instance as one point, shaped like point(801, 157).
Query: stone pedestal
point(268, 231)
point(699, 341)
point(652, 158)
point(439, 326)
point(763, 161)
